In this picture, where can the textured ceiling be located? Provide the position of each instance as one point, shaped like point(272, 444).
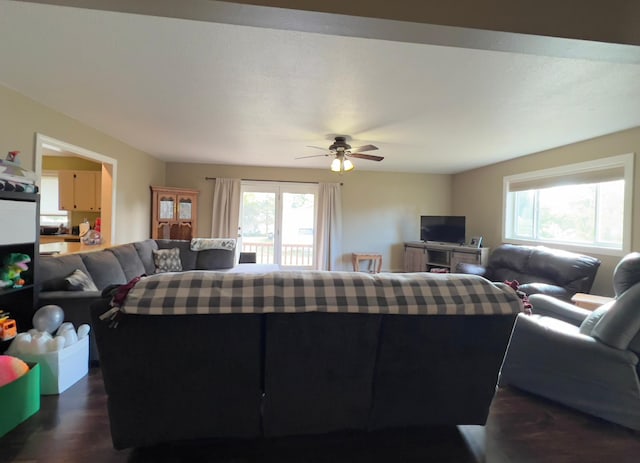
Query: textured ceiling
point(202, 91)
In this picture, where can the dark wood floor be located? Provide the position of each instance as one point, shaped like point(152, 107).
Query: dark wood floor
point(73, 427)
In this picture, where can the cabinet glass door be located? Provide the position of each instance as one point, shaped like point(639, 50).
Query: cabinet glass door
point(166, 211)
point(184, 209)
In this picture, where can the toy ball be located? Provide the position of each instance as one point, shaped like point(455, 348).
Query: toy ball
point(70, 337)
point(64, 327)
point(56, 344)
point(11, 368)
point(48, 318)
point(83, 331)
point(20, 344)
point(38, 345)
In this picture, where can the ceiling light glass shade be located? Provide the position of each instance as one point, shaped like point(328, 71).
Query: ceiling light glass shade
point(340, 164)
point(348, 165)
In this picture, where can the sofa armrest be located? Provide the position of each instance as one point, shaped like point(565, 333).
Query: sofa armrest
point(555, 308)
point(472, 269)
point(546, 288)
point(558, 346)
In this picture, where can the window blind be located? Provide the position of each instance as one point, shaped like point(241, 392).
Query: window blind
point(576, 178)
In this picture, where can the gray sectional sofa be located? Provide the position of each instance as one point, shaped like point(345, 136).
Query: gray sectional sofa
point(113, 266)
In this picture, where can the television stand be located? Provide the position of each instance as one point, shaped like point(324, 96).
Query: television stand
point(420, 256)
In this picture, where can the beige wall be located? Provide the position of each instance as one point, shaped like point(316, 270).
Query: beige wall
point(380, 210)
point(21, 118)
point(478, 193)
point(56, 163)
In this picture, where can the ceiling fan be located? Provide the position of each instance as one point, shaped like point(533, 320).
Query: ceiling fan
point(342, 151)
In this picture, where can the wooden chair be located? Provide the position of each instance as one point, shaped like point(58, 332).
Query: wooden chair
point(375, 261)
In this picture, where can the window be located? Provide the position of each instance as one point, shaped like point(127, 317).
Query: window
point(277, 222)
point(50, 215)
point(585, 205)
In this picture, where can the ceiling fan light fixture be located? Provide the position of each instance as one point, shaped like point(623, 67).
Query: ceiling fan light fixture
point(340, 164)
point(341, 151)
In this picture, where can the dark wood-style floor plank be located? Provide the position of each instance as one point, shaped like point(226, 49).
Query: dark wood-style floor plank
point(73, 427)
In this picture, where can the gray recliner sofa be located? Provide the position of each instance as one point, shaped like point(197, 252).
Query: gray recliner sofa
point(113, 266)
point(585, 360)
point(538, 270)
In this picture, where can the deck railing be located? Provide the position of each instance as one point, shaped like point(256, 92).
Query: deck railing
point(299, 255)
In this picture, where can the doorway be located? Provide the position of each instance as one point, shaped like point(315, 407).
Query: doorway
point(45, 144)
point(277, 222)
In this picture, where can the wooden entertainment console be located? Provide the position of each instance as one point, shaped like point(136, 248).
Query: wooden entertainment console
point(430, 256)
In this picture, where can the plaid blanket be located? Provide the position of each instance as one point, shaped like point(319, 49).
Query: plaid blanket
point(203, 292)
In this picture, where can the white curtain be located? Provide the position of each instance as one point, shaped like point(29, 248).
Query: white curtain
point(329, 226)
point(226, 208)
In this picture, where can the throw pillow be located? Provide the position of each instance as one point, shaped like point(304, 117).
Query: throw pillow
point(80, 281)
point(167, 260)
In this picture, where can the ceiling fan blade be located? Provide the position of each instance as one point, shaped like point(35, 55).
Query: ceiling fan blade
point(312, 156)
point(369, 157)
point(365, 148)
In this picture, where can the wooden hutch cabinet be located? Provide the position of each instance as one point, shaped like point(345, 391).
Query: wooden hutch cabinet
point(174, 213)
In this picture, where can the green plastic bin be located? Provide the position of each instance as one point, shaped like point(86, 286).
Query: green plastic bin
point(19, 399)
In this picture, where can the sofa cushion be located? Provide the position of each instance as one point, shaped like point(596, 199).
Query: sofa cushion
point(212, 259)
point(80, 281)
point(129, 260)
point(619, 325)
point(145, 252)
point(586, 327)
point(510, 256)
point(167, 260)
point(545, 288)
point(626, 273)
point(563, 267)
point(187, 256)
point(104, 268)
point(54, 269)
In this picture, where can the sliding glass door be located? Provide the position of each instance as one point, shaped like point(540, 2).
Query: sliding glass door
point(277, 222)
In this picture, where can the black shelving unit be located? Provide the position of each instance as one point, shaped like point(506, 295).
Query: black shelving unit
point(20, 215)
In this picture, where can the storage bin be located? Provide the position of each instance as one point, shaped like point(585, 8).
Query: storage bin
point(61, 370)
point(20, 399)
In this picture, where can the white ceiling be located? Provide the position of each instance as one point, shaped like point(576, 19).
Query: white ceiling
point(208, 92)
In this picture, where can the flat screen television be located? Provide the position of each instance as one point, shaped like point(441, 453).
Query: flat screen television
point(443, 228)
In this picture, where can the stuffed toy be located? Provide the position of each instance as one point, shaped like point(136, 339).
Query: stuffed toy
point(14, 264)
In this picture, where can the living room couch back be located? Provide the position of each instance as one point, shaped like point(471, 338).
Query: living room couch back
point(113, 266)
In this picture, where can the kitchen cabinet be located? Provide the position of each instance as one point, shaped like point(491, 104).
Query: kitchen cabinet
point(174, 213)
point(79, 190)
